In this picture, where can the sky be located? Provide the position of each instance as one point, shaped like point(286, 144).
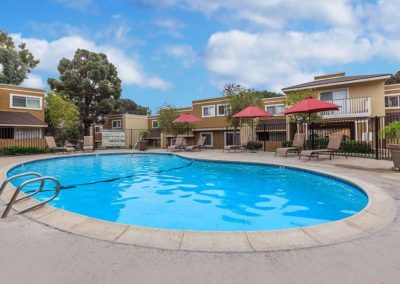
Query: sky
point(176, 51)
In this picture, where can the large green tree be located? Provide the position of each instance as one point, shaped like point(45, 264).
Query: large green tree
point(394, 79)
point(91, 82)
point(60, 112)
point(15, 62)
point(298, 96)
point(128, 106)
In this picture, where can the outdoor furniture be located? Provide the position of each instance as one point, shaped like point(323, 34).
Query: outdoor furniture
point(230, 148)
point(298, 144)
point(51, 144)
point(88, 144)
point(332, 148)
point(199, 145)
point(179, 145)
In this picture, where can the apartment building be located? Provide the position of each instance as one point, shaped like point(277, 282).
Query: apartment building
point(21, 116)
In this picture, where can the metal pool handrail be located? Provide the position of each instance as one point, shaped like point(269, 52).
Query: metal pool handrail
point(20, 187)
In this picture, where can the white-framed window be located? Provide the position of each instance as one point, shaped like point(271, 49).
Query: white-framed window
point(25, 102)
point(392, 101)
point(154, 123)
point(208, 111)
point(334, 95)
point(222, 109)
point(117, 124)
point(275, 109)
point(209, 138)
point(231, 139)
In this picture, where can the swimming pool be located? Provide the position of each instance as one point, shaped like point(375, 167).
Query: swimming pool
point(171, 192)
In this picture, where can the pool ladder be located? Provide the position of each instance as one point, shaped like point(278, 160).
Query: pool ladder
point(38, 178)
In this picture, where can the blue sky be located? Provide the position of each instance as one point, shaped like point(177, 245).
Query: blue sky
point(175, 51)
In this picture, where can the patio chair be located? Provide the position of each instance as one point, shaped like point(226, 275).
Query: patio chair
point(333, 147)
point(88, 144)
point(199, 145)
point(230, 148)
point(51, 144)
point(179, 145)
point(298, 144)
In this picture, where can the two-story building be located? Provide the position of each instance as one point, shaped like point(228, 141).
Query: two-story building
point(22, 120)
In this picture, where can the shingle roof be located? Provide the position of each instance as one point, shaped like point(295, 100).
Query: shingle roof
point(20, 119)
point(336, 80)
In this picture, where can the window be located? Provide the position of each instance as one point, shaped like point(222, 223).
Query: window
point(154, 123)
point(275, 109)
point(333, 95)
point(29, 102)
point(6, 133)
point(222, 110)
point(208, 111)
point(231, 139)
point(392, 101)
point(98, 129)
point(28, 133)
point(209, 138)
point(117, 124)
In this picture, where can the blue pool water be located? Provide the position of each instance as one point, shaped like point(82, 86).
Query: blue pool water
point(167, 191)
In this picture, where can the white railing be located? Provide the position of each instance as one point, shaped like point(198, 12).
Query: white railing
point(351, 107)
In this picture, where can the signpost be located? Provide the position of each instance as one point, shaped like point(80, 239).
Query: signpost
point(112, 139)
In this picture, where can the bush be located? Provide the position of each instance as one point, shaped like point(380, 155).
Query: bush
point(254, 145)
point(351, 146)
point(20, 150)
point(287, 144)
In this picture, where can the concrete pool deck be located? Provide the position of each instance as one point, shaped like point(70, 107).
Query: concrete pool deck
point(369, 259)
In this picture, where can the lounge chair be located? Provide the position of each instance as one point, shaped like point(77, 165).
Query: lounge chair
point(233, 148)
point(199, 145)
point(88, 144)
point(332, 148)
point(179, 145)
point(298, 144)
point(51, 144)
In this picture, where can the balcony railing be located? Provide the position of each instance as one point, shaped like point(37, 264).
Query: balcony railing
point(350, 107)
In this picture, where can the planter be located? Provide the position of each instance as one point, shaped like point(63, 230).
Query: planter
point(395, 150)
point(143, 145)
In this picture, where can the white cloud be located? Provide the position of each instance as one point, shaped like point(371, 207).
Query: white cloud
point(129, 68)
point(82, 5)
point(171, 25)
point(276, 59)
point(183, 52)
point(34, 81)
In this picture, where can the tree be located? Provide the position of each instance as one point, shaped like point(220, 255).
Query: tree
point(238, 98)
point(60, 112)
point(128, 106)
point(394, 79)
point(167, 114)
point(296, 97)
point(15, 63)
point(91, 82)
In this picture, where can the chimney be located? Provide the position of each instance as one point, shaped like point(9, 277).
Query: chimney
point(329, 76)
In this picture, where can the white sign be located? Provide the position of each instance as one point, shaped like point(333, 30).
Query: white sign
point(112, 138)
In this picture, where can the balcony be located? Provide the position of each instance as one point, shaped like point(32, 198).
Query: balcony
point(350, 107)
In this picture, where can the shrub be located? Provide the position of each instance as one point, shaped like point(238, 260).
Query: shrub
point(351, 146)
point(20, 150)
point(254, 145)
point(287, 144)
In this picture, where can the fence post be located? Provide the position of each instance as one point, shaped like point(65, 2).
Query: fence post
point(264, 138)
point(377, 137)
point(94, 136)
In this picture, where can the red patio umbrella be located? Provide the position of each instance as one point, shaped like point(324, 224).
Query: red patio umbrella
point(187, 118)
point(252, 112)
point(311, 105)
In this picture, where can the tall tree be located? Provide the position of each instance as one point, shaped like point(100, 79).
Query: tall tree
point(15, 62)
point(238, 98)
point(122, 106)
point(298, 96)
point(394, 79)
point(166, 114)
point(91, 82)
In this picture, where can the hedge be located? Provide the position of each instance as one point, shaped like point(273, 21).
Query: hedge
point(21, 150)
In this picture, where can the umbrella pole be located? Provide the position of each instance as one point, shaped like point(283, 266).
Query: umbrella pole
point(252, 135)
point(312, 131)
